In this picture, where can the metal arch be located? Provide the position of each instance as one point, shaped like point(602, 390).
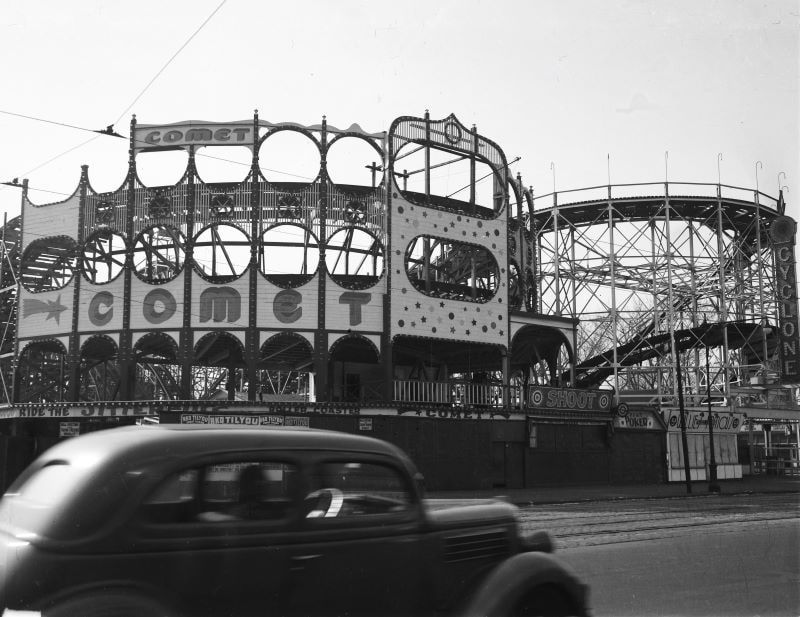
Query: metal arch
point(295, 129)
point(353, 337)
point(298, 354)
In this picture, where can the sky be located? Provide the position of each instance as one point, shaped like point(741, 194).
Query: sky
point(582, 91)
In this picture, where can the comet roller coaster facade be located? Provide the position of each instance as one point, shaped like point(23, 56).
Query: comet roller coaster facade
point(501, 339)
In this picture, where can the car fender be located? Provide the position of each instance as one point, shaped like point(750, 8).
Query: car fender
point(109, 598)
point(506, 585)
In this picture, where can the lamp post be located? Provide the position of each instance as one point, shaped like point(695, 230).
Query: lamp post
point(713, 487)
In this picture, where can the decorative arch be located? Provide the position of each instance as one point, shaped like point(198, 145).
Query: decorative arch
point(286, 365)
point(353, 347)
point(219, 349)
point(157, 369)
point(356, 371)
point(539, 355)
point(354, 258)
point(99, 369)
point(48, 264)
point(156, 346)
point(286, 351)
point(265, 161)
point(105, 255)
point(221, 252)
point(218, 367)
point(43, 372)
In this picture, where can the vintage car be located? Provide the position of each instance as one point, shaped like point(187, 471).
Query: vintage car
point(184, 520)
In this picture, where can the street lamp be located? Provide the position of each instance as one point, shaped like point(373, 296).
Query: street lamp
point(713, 487)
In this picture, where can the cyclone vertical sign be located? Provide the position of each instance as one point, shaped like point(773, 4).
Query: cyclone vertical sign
point(782, 231)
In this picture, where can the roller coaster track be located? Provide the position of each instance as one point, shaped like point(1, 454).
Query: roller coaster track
point(592, 372)
point(638, 259)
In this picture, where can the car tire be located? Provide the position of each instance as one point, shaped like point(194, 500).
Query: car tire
point(115, 604)
point(544, 601)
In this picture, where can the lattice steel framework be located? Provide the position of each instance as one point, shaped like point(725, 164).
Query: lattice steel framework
point(652, 268)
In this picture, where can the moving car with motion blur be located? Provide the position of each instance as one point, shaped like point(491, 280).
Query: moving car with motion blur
point(187, 520)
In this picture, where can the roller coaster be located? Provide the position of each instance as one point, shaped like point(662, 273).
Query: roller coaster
point(663, 277)
point(677, 287)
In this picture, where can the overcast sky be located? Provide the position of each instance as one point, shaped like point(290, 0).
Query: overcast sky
point(585, 86)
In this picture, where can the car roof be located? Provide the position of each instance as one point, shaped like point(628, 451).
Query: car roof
point(106, 464)
point(178, 440)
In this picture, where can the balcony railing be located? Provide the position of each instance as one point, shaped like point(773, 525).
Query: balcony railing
point(457, 394)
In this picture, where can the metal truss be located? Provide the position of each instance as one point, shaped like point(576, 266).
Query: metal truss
point(650, 276)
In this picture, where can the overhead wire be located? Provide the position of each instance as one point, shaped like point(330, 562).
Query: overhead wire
point(175, 55)
point(109, 130)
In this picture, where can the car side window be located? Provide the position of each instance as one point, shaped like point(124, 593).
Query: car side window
point(352, 489)
point(247, 491)
point(229, 491)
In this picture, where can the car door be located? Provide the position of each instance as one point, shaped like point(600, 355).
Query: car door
point(358, 548)
point(216, 545)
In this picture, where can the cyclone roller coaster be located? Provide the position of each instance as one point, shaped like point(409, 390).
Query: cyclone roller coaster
point(393, 291)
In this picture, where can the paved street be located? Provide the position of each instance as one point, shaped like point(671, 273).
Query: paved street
point(720, 555)
point(609, 522)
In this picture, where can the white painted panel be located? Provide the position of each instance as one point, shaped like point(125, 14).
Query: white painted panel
point(220, 305)
point(357, 310)
point(100, 307)
point(157, 306)
point(45, 314)
point(287, 308)
point(59, 219)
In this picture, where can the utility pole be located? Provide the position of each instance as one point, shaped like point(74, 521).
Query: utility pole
point(713, 487)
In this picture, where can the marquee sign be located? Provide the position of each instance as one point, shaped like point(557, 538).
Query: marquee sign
point(783, 231)
point(152, 137)
point(217, 305)
point(245, 420)
point(565, 399)
point(697, 421)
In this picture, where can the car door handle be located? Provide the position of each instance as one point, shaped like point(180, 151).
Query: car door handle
point(304, 558)
point(298, 562)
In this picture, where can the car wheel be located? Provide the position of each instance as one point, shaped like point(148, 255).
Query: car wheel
point(117, 604)
point(544, 601)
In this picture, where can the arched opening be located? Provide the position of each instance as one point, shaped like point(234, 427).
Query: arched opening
point(288, 155)
point(447, 372)
point(48, 263)
point(354, 161)
point(539, 356)
point(218, 368)
point(288, 255)
point(158, 254)
point(221, 253)
point(104, 256)
point(442, 268)
point(162, 168)
point(223, 163)
point(449, 179)
point(158, 373)
point(514, 287)
point(43, 373)
point(356, 375)
point(285, 369)
point(99, 371)
point(354, 258)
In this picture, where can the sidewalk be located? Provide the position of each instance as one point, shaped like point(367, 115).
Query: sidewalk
point(570, 494)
